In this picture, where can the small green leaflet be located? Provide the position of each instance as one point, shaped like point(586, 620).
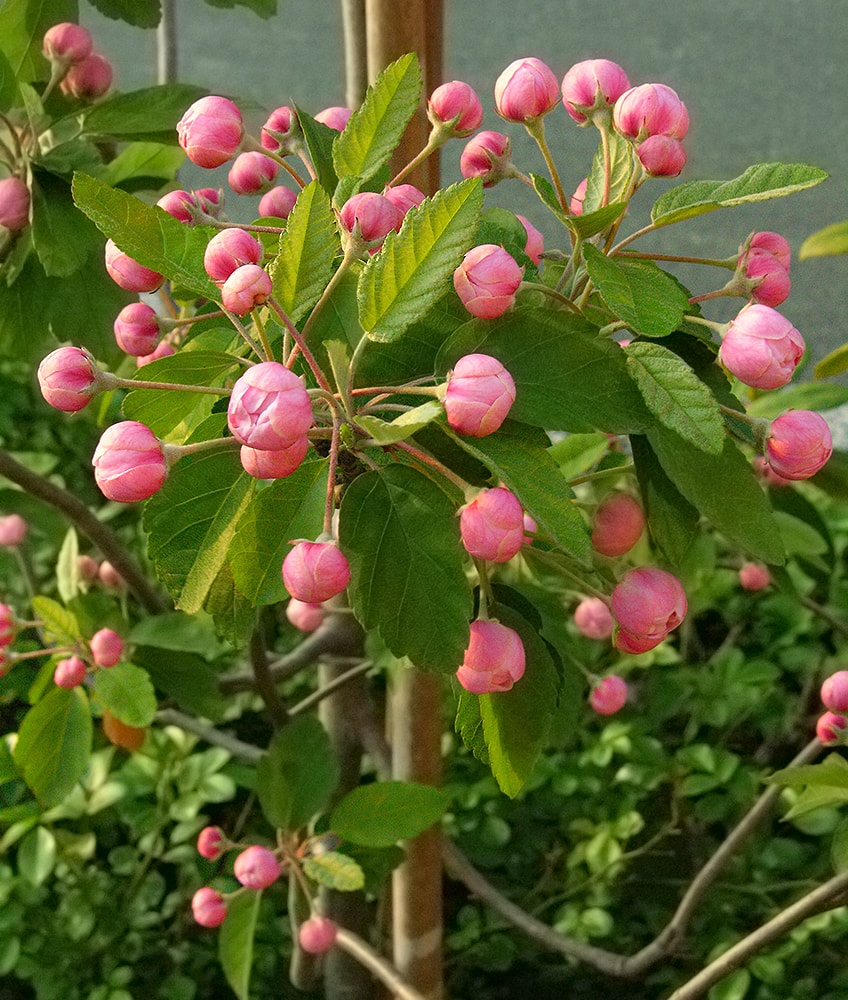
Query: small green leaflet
point(127, 692)
point(826, 242)
point(235, 940)
point(385, 812)
point(621, 171)
point(401, 427)
point(335, 871)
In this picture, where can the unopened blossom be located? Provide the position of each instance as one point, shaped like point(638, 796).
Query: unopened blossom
point(313, 572)
point(67, 43)
point(592, 85)
point(761, 347)
point(618, 524)
point(798, 444)
point(137, 329)
point(609, 695)
point(269, 408)
point(647, 604)
point(247, 287)
point(486, 281)
point(208, 907)
point(128, 273)
point(14, 204)
point(651, 109)
point(252, 173)
point(479, 395)
point(275, 463)
point(211, 131)
point(834, 692)
point(455, 104)
point(228, 250)
point(13, 531)
point(256, 867)
point(593, 618)
point(277, 203)
point(335, 118)
point(527, 89)
point(88, 79)
point(535, 245)
point(661, 156)
point(494, 659)
point(68, 378)
point(492, 525)
point(129, 462)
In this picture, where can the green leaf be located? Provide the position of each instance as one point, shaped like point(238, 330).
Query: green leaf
point(404, 426)
point(148, 234)
point(127, 692)
point(143, 165)
point(548, 196)
point(381, 814)
point(140, 13)
point(672, 520)
point(235, 941)
point(8, 84)
point(839, 847)
point(803, 396)
point(62, 236)
point(757, 183)
point(832, 772)
point(826, 242)
point(621, 172)
point(308, 247)
point(676, 396)
point(184, 676)
point(298, 774)
point(375, 129)
point(152, 112)
point(319, 139)
point(24, 24)
point(263, 8)
point(638, 292)
point(412, 271)
point(799, 538)
point(834, 363)
point(177, 633)
point(335, 871)
point(400, 534)
point(54, 744)
point(37, 855)
point(589, 223)
point(504, 229)
point(67, 567)
point(60, 625)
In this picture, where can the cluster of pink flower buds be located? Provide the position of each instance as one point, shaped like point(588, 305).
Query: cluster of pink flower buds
point(80, 72)
point(128, 273)
point(618, 524)
point(492, 525)
point(186, 206)
point(478, 395)
point(486, 281)
point(831, 726)
point(647, 604)
point(761, 347)
point(763, 266)
point(609, 695)
point(798, 444)
point(656, 120)
point(494, 659)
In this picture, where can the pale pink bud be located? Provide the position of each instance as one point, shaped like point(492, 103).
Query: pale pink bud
point(269, 407)
point(618, 524)
point(306, 617)
point(110, 577)
point(184, 205)
point(772, 243)
point(479, 394)
point(128, 273)
point(647, 604)
point(229, 249)
point(579, 196)
point(69, 673)
point(14, 204)
point(768, 277)
point(88, 79)
point(252, 173)
point(129, 462)
point(137, 329)
point(68, 378)
point(486, 281)
point(66, 42)
point(210, 843)
point(404, 197)
point(834, 692)
point(829, 728)
point(317, 935)
point(256, 867)
point(277, 129)
point(661, 156)
point(277, 203)
point(335, 118)
point(313, 572)
point(274, 464)
point(208, 907)
point(247, 287)
point(494, 659)
point(767, 475)
point(761, 347)
point(164, 350)
point(107, 647)
point(457, 103)
point(593, 618)
point(592, 85)
point(798, 444)
point(13, 531)
point(652, 109)
point(526, 89)
point(8, 625)
point(609, 695)
point(492, 525)
point(754, 577)
point(211, 131)
point(535, 244)
point(487, 156)
point(87, 568)
point(369, 216)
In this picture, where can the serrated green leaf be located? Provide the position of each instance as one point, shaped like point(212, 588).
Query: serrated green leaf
point(548, 196)
point(184, 676)
point(126, 691)
point(235, 941)
point(589, 223)
point(319, 139)
point(676, 396)
point(335, 871)
point(375, 129)
point(404, 426)
point(149, 112)
point(24, 24)
point(799, 538)
point(621, 172)
point(8, 83)
point(62, 236)
point(60, 625)
point(410, 274)
point(143, 164)
point(140, 13)
point(37, 855)
point(672, 520)
point(757, 183)
point(832, 772)
point(826, 242)
point(381, 814)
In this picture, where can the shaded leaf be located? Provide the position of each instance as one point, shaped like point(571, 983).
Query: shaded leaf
point(235, 941)
point(126, 691)
point(37, 855)
point(589, 223)
point(62, 236)
point(803, 396)
point(140, 13)
point(381, 814)
point(144, 165)
point(152, 112)
point(319, 139)
point(672, 520)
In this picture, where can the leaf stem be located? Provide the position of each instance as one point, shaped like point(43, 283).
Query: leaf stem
point(300, 340)
point(536, 128)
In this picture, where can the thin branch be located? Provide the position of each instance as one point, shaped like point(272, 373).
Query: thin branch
point(324, 692)
point(213, 736)
point(376, 964)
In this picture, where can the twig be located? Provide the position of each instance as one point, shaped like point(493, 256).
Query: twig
point(216, 737)
point(324, 692)
point(376, 964)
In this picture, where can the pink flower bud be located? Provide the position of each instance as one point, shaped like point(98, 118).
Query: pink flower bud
point(274, 464)
point(618, 525)
point(277, 203)
point(313, 572)
point(13, 531)
point(592, 85)
point(110, 577)
point(593, 618)
point(479, 394)
point(829, 728)
point(652, 109)
point(137, 329)
point(798, 444)
point(14, 204)
point(772, 243)
point(277, 129)
point(457, 103)
point(129, 462)
point(247, 287)
point(67, 43)
point(404, 197)
point(647, 604)
point(335, 118)
point(834, 692)
point(107, 647)
point(269, 407)
point(208, 907)
point(494, 659)
point(164, 350)
point(761, 348)
point(252, 173)
point(609, 695)
point(177, 204)
point(754, 577)
point(486, 281)
point(69, 673)
point(69, 378)
point(488, 156)
point(210, 843)
point(369, 216)
point(767, 475)
point(492, 525)
point(577, 199)
point(526, 89)
point(229, 249)
point(661, 156)
point(128, 273)
point(8, 625)
point(256, 867)
point(88, 79)
point(306, 617)
point(211, 131)
point(535, 244)
point(317, 935)
point(769, 279)
point(530, 529)
point(87, 568)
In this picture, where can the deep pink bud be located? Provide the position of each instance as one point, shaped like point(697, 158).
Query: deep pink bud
point(335, 118)
point(404, 197)
point(535, 244)
point(609, 695)
point(618, 524)
point(13, 531)
point(772, 243)
point(317, 935)
point(208, 907)
point(494, 659)
point(8, 625)
point(459, 101)
point(761, 347)
point(14, 204)
point(798, 444)
point(110, 577)
point(306, 617)
point(88, 79)
point(137, 329)
point(252, 173)
point(128, 273)
point(210, 843)
point(68, 378)
point(647, 604)
point(247, 287)
point(269, 407)
point(178, 204)
point(211, 131)
point(487, 156)
point(69, 673)
point(274, 464)
point(277, 203)
point(579, 196)
point(492, 525)
point(754, 577)
point(661, 156)
point(313, 572)
point(107, 647)
point(256, 867)
point(129, 462)
point(593, 618)
point(526, 89)
point(487, 280)
point(280, 121)
point(229, 249)
point(829, 728)
point(834, 692)
point(369, 216)
point(479, 394)
point(652, 109)
point(66, 42)
point(769, 279)
point(592, 85)
point(164, 350)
